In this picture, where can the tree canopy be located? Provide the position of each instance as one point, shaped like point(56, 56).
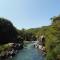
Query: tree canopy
point(8, 32)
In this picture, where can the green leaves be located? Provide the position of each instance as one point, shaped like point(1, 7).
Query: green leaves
point(52, 37)
point(53, 40)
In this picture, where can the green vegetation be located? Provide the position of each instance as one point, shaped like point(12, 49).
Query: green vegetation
point(52, 37)
point(53, 40)
point(4, 47)
point(27, 35)
point(8, 33)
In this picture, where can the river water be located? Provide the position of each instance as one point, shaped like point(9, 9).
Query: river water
point(29, 53)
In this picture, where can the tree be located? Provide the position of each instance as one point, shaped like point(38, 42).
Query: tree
point(8, 32)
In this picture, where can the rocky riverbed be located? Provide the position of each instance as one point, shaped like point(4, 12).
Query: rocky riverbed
point(29, 52)
point(10, 52)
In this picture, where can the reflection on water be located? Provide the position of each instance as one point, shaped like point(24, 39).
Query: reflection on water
point(29, 53)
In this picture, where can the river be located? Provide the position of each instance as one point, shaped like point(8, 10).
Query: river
point(29, 53)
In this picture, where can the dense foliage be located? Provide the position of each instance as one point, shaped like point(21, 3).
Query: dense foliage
point(52, 37)
point(8, 32)
point(27, 35)
point(53, 40)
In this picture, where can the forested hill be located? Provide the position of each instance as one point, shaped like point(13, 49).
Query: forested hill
point(8, 33)
point(52, 37)
point(37, 31)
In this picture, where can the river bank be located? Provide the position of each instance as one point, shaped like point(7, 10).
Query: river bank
point(29, 52)
point(40, 47)
point(11, 50)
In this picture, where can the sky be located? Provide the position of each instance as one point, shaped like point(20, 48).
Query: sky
point(29, 13)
